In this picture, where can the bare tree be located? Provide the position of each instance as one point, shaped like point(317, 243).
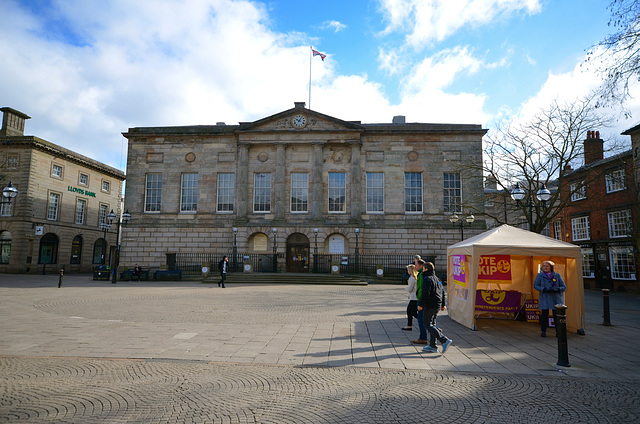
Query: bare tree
point(617, 57)
point(539, 153)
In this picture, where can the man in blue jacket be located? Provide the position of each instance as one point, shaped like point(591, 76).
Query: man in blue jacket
point(431, 301)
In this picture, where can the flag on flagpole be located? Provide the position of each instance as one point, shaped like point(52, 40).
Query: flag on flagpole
point(317, 53)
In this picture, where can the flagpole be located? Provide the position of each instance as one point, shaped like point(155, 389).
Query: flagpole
point(310, 58)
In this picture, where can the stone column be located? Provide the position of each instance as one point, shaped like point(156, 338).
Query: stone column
point(356, 180)
point(316, 181)
point(279, 186)
point(242, 181)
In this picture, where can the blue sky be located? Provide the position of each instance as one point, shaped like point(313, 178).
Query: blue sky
point(86, 71)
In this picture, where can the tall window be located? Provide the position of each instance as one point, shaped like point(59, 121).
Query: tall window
point(619, 223)
point(622, 263)
point(375, 192)
point(102, 215)
point(56, 171)
point(54, 204)
point(6, 209)
point(12, 162)
point(262, 192)
point(80, 208)
point(106, 186)
point(153, 193)
point(337, 192)
point(5, 247)
point(299, 192)
point(189, 197)
point(226, 183)
point(578, 191)
point(615, 181)
point(588, 263)
point(557, 230)
point(580, 229)
point(83, 179)
point(452, 192)
point(412, 192)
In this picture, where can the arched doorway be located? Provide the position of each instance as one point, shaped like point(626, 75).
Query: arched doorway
point(297, 253)
point(48, 249)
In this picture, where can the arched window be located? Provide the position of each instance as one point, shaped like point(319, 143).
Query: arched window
point(5, 247)
point(99, 251)
point(76, 250)
point(48, 249)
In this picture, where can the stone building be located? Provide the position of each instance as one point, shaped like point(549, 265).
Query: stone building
point(385, 188)
point(63, 197)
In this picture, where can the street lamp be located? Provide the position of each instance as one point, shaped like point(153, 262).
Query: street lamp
point(235, 249)
point(315, 250)
point(543, 195)
point(275, 250)
point(357, 231)
point(105, 226)
point(456, 220)
point(121, 221)
point(9, 192)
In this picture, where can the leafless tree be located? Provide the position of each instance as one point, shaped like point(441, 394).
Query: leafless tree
point(617, 57)
point(539, 152)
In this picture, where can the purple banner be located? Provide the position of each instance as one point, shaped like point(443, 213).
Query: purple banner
point(498, 301)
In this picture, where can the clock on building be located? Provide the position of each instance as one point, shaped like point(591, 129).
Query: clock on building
point(299, 121)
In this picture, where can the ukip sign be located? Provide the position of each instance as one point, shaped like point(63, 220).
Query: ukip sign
point(495, 269)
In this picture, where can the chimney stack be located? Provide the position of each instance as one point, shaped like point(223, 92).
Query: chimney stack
point(399, 119)
point(593, 147)
point(12, 122)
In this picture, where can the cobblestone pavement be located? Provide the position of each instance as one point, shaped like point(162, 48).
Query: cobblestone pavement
point(187, 352)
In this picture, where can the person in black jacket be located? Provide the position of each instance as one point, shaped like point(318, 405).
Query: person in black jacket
point(223, 266)
point(432, 300)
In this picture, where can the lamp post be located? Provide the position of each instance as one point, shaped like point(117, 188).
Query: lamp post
point(121, 221)
point(235, 249)
point(357, 231)
point(275, 250)
point(9, 192)
point(105, 226)
point(543, 195)
point(315, 250)
point(456, 220)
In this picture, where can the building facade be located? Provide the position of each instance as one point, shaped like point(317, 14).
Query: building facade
point(374, 188)
point(602, 217)
point(63, 197)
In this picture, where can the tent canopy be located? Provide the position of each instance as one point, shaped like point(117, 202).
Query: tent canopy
point(526, 251)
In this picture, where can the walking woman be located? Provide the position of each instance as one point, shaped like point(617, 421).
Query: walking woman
point(412, 307)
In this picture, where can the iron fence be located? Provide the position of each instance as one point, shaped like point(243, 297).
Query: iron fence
point(191, 263)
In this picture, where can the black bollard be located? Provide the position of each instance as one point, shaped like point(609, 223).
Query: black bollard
point(561, 332)
point(114, 277)
point(60, 277)
point(44, 269)
point(605, 305)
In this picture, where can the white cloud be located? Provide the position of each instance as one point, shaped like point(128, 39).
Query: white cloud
point(335, 26)
point(428, 21)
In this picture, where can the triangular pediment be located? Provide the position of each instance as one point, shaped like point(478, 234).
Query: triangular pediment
point(299, 119)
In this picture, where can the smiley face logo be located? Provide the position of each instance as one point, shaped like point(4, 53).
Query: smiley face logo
point(503, 266)
point(493, 297)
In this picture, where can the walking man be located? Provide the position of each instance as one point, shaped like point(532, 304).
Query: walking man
point(431, 301)
point(223, 265)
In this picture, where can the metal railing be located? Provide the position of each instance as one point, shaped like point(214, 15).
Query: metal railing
point(191, 263)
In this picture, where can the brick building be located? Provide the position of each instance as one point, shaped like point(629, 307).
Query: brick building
point(63, 197)
point(602, 217)
point(387, 188)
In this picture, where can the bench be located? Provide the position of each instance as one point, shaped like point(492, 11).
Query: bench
point(128, 275)
point(162, 274)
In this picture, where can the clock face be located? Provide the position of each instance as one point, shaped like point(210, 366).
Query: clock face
point(299, 121)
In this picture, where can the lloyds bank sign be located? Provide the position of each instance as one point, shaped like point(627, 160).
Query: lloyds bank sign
point(81, 191)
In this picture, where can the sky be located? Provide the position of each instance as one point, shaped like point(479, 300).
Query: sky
point(86, 71)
